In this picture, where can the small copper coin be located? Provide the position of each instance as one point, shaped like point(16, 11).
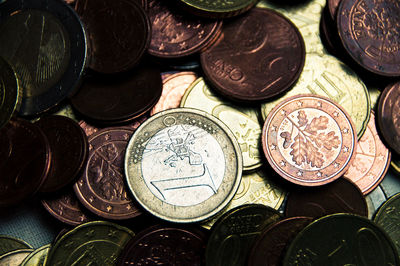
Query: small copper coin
point(69, 149)
point(118, 33)
point(101, 188)
point(388, 116)
point(372, 160)
point(333, 6)
point(165, 246)
point(269, 247)
point(260, 55)
point(24, 161)
point(369, 32)
point(175, 34)
point(341, 196)
point(66, 208)
point(117, 100)
point(309, 140)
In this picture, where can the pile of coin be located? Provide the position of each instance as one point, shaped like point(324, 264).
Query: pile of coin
point(202, 132)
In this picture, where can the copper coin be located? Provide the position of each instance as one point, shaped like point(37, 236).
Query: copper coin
point(174, 87)
point(66, 208)
point(25, 161)
point(369, 32)
point(176, 34)
point(165, 246)
point(372, 160)
point(260, 55)
point(336, 197)
point(118, 33)
point(101, 187)
point(69, 149)
point(269, 247)
point(309, 140)
point(333, 6)
point(117, 100)
point(388, 116)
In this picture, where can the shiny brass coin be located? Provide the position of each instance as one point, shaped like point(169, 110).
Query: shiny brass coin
point(96, 243)
point(309, 140)
point(342, 239)
point(183, 165)
point(8, 244)
point(10, 94)
point(327, 76)
point(37, 257)
point(14, 257)
point(243, 121)
point(218, 9)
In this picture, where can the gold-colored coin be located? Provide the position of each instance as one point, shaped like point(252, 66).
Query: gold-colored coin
point(37, 257)
point(243, 121)
point(327, 76)
point(10, 94)
point(374, 94)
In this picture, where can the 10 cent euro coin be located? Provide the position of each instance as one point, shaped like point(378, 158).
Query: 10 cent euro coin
point(183, 165)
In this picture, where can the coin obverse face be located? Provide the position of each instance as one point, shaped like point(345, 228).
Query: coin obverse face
point(183, 165)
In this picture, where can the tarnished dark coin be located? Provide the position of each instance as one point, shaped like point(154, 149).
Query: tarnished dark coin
point(165, 246)
point(342, 239)
point(118, 33)
point(8, 244)
point(111, 100)
point(234, 233)
point(218, 9)
point(69, 150)
point(339, 196)
point(10, 92)
point(66, 208)
point(388, 116)
point(24, 161)
point(369, 32)
point(333, 6)
point(45, 43)
point(270, 246)
point(260, 55)
point(101, 187)
point(175, 34)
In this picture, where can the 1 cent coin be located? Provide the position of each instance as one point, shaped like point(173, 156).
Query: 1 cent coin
point(183, 165)
point(260, 55)
point(309, 140)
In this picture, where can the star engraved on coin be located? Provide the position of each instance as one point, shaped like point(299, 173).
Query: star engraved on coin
point(306, 140)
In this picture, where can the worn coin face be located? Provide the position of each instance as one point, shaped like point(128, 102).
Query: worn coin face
point(218, 9)
point(243, 121)
point(10, 92)
point(342, 239)
point(101, 187)
point(94, 242)
point(183, 165)
point(371, 161)
point(309, 140)
point(15, 257)
point(368, 30)
point(8, 244)
point(37, 257)
point(46, 45)
point(260, 55)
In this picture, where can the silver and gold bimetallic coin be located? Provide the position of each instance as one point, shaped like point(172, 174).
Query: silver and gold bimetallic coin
point(183, 165)
point(243, 121)
point(329, 77)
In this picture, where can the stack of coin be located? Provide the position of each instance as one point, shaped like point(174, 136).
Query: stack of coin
point(200, 132)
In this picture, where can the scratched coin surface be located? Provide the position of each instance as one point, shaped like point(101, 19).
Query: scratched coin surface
point(371, 161)
point(387, 218)
point(101, 187)
point(243, 121)
point(327, 76)
point(309, 140)
point(369, 32)
point(15, 257)
point(96, 243)
point(37, 257)
point(45, 43)
point(174, 87)
point(233, 234)
point(183, 165)
point(165, 246)
point(260, 55)
point(342, 239)
point(339, 196)
point(10, 92)
point(389, 116)
point(175, 34)
point(218, 9)
point(118, 33)
point(270, 246)
point(8, 244)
